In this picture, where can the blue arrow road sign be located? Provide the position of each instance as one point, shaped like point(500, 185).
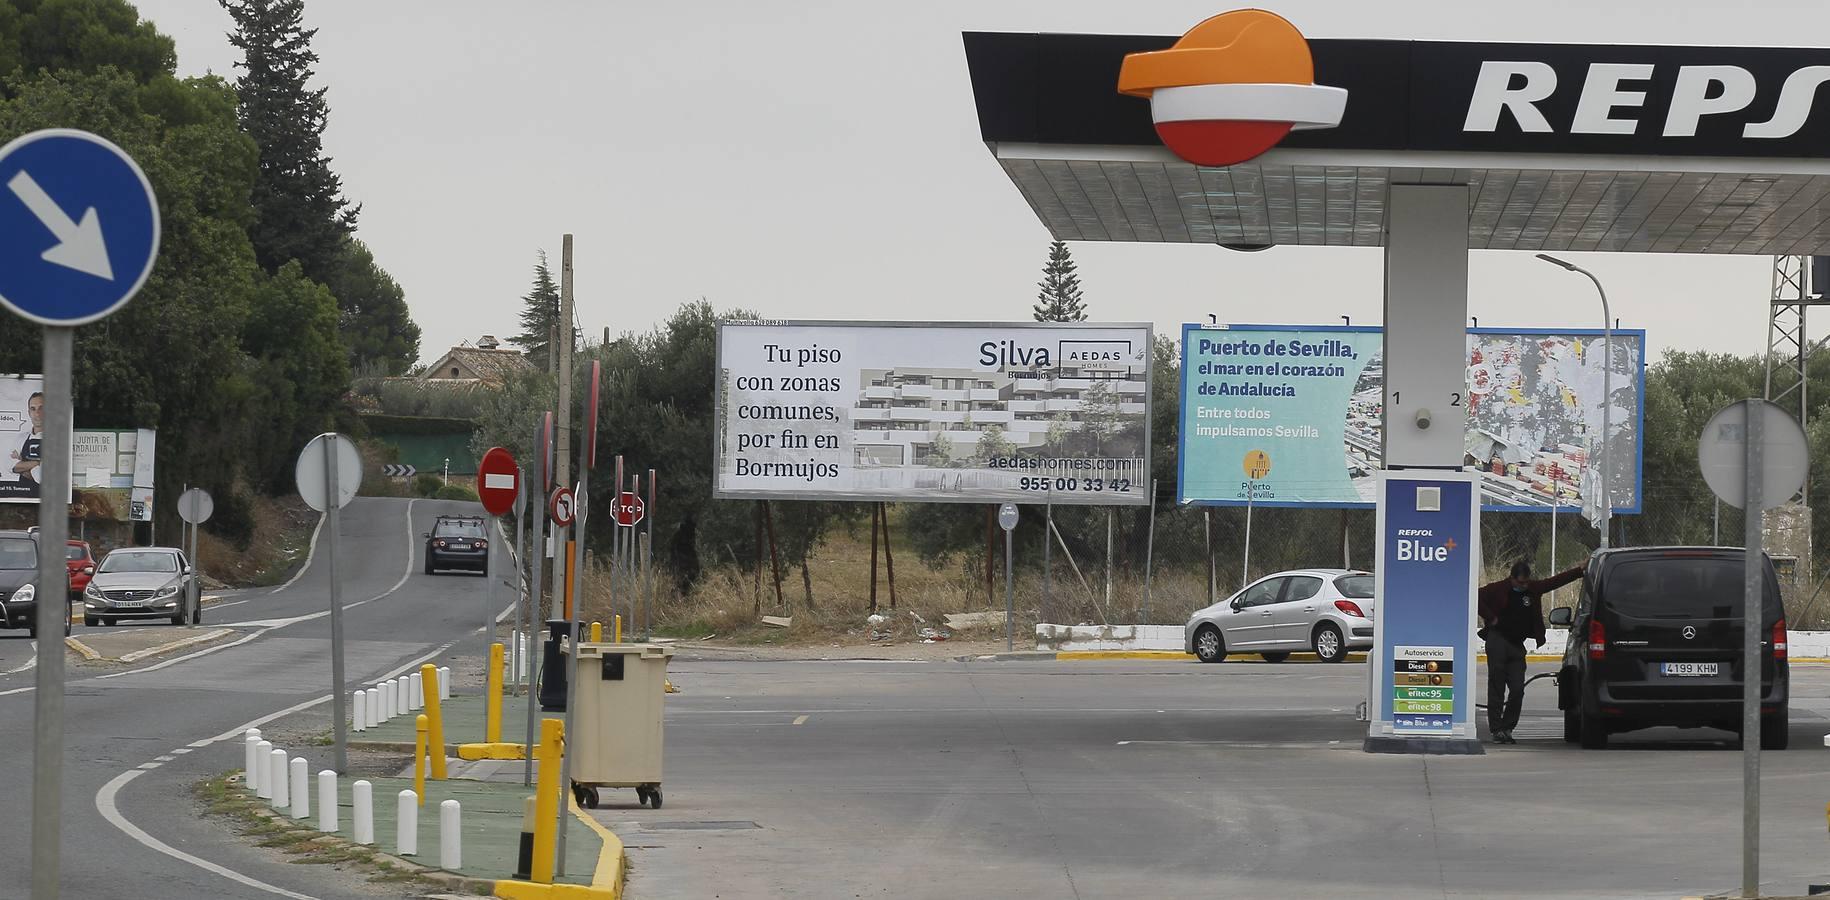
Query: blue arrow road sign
point(79, 227)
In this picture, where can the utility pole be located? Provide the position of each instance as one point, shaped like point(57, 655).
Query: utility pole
point(563, 436)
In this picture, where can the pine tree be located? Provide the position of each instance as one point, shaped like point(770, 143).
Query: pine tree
point(299, 208)
point(539, 316)
point(1059, 298)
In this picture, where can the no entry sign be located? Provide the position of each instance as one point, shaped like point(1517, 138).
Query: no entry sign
point(498, 481)
point(629, 509)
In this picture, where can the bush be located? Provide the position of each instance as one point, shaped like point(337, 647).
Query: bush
point(426, 485)
point(455, 492)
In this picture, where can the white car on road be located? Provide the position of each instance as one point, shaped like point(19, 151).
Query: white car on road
point(1329, 611)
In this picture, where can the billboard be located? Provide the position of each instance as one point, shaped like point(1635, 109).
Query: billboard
point(111, 472)
point(21, 437)
point(934, 412)
point(1304, 404)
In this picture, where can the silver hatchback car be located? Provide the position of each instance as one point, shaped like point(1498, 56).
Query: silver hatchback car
point(1329, 611)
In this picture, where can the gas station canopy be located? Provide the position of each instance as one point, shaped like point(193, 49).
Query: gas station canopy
point(1562, 146)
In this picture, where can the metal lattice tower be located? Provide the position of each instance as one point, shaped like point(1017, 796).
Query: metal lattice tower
point(1788, 360)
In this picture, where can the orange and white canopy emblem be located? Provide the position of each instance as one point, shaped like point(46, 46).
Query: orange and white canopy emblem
point(1231, 88)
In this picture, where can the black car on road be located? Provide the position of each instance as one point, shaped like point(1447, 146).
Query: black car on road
point(1656, 640)
point(19, 583)
point(457, 542)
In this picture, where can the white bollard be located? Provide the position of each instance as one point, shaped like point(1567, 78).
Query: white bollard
point(362, 812)
point(444, 682)
point(406, 822)
point(327, 801)
point(400, 696)
point(359, 714)
point(301, 789)
point(389, 708)
point(277, 780)
point(250, 770)
point(450, 836)
point(416, 693)
point(262, 788)
point(373, 696)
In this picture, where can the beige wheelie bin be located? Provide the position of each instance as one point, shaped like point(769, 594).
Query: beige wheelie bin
point(617, 737)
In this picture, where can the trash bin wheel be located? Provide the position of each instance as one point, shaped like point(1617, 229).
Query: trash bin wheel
point(585, 795)
point(654, 796)
point(641, 794)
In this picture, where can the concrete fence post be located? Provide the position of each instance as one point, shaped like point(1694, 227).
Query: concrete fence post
point(450, 836)
point(301, 788)
point(373, 696)
point(327, 801)
point(362, 812)
point(262, 789)
point(387, 699)
point(359, 715)
point(444, 682)
point(416, 692)
point(278, 781)
point(406, 824)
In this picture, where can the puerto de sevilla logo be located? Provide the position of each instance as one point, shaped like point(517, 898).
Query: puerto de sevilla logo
point(1231, 88)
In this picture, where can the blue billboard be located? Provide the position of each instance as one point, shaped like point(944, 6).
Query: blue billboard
point(1293, 415)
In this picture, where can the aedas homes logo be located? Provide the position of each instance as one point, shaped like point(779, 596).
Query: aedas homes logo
point(1231, 88)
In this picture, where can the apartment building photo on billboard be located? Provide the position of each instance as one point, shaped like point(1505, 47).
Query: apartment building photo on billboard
point(983, 413)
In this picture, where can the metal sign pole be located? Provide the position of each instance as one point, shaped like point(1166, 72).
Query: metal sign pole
point(1010, 609)
point(516, 637)
point(196, 590)
point(53, 617)
point(648, 565)
point(1752, 613)
point(1149, 550)
point(332, 507)
point(578, 590)
point(536, 561)
point(1245, 565)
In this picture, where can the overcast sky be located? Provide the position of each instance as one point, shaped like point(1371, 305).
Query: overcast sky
point(822, 160)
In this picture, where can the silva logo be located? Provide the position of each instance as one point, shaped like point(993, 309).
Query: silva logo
point(1612, 94)
point(1411, 549)
point(1231, 88)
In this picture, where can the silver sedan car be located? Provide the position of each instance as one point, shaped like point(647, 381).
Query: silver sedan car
point(1329, 611)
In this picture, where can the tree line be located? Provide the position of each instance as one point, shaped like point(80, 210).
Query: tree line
point(242, 343)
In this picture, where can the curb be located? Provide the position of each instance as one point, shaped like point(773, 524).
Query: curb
point(87, 652)
point(1164, 655)
point(181, 643)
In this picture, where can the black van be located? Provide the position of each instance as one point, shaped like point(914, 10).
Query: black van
point(1656, 640)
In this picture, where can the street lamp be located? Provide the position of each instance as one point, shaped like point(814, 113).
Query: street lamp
point(447, 470)
point(1607, 388)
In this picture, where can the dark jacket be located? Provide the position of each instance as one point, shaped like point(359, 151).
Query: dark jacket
point(1494, 601)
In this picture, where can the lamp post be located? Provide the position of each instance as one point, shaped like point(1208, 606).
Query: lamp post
point(1607, 389)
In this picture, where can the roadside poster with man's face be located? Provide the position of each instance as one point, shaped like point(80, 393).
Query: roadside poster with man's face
point(21, 437)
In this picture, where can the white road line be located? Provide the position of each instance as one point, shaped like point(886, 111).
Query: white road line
point(110, 810)
point(28, 663)
point(800, 720)
point(311, 550)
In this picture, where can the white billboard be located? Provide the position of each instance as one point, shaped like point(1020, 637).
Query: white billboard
point(21, 437)
point(934, 412)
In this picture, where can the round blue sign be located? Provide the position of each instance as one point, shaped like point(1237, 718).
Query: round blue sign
point(79, 227)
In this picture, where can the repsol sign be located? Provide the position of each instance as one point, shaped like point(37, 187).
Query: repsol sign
point(1612, 99)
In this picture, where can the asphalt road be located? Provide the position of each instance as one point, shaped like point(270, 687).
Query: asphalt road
point(136, 741)
point(1127, 778)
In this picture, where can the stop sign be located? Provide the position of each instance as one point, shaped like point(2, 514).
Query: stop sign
point(628, 509)
point(498, 481)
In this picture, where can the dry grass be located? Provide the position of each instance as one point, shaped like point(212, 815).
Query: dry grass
point(726, 601)
point(282, 533)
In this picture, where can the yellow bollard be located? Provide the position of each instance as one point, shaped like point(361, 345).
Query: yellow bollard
point(419, 758)
point(547, 791)
point(619, 629)
point(597, 632)
point(435, 721)
point(492, 702)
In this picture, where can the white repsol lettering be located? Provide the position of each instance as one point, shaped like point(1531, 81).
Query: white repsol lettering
point(1612, 97)
point(1418, 551)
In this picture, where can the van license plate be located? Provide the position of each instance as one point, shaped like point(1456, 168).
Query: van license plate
point(1688, 669)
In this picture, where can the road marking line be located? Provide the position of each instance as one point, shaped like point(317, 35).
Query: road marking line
point(110, 811)
point(169, 646)
point(311, 550)
point(164, 759)
point(104, 804)
point(148, 766)
point(28, 663)
point(181, 751)
point(801, 720)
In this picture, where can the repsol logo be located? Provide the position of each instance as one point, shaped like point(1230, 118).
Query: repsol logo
point(1612, 99)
